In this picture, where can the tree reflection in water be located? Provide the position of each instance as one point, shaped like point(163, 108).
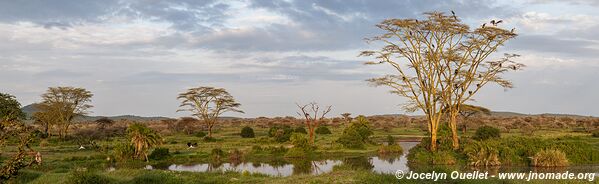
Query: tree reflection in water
point(358, 163)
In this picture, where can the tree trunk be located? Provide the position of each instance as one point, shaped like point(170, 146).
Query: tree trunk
point(433, 122)
point(453, 124)
point(210, 130)
point(311, 133)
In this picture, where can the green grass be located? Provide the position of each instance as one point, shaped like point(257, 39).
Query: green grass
point(62, 157)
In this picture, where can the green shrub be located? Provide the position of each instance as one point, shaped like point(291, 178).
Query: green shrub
point(351, 139)
point(124, 151)
point(300, 130)
point(87, 177)
point(421, 155)
point(280, 133)
point(217, 154)
point(200, 134)
point(356, 134)
point(301, 146)
point(322, 130)
point(159, 154)
point(486, 132)
point(247, 132)
point(481, 153)
point(390, 140)
point(209, 139)
point(549, 158)
point(390, 149)
point(595, 133)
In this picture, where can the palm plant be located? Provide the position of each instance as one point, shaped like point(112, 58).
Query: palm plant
point(143, 139)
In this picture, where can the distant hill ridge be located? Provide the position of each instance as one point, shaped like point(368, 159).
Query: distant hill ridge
point(30, 109)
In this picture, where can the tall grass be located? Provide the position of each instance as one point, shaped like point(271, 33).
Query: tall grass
point(549, 158)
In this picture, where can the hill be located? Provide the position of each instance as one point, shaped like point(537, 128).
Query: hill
point(30, 109)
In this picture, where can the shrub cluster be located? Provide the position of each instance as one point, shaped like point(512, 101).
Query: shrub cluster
point(356, 134)
point(280, 133)
point(322, 130)
point(300, 130)
point(486, 132)
point(301, 146)
point(159, 154)
point(481, 153)
point(247, 132)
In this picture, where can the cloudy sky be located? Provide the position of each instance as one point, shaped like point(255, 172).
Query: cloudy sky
point(137, 55)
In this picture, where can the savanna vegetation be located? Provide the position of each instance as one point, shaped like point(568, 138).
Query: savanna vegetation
point(444, 64)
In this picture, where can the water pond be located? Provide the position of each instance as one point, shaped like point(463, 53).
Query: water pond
point(388, 165)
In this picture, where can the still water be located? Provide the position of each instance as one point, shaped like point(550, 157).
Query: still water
point(374, 163)
point(388, 165)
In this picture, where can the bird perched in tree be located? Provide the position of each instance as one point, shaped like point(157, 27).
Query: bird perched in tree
point(513, 29)
point(455, 72)
point(470, 92)
point(492, 22)
point(453, 15)
point(404, 78)
point(478, 85)
point(500, 21)
point(514, 67)
point(484, 25)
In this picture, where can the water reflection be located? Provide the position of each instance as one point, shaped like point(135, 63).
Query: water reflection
point(380, 164)
point(383, 164)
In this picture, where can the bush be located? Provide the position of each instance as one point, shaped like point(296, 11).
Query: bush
point(124, 151)
point(280, 133)
point(356, 134)
point(481, 153)
point(300, 130)
point(217, 153)
point(200, 134)
point(86, 177)
point(209, 139)
point(549, 158)
point(322, 130)
point(159, 154)
point(596, 133)
point(390, 140)
point(390, 149)
point(301, 146)
point(247, 132)
point(486, 132)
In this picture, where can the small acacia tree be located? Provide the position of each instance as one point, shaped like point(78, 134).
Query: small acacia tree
point(12, 127)
point(208, 103)
point(64, 104)
point(312, 116)
point(440, 63)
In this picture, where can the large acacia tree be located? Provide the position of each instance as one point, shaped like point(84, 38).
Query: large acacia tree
point(440, 63)
point(208, 103)
point(63, 104)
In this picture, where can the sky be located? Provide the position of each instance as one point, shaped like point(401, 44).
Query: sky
point(135, 56)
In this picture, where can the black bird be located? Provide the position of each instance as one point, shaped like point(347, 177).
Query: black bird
point(404, 78)
point(514, 67)
point(513, 30)
point(455, 72)
point(499, 64)
point(453, 14)
point(484, 25)
point(188, 144)
point(470, 92)
point(478, 85)
point(493, 22)
point(480, 76)
point(500, 21)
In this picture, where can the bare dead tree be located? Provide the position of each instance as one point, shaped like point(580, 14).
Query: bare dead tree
point(312, 115)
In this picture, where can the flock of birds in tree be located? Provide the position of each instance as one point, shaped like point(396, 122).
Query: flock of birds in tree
point(493, 22)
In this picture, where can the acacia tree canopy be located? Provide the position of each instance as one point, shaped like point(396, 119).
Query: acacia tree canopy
point(440, 63)
point(208, 103)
